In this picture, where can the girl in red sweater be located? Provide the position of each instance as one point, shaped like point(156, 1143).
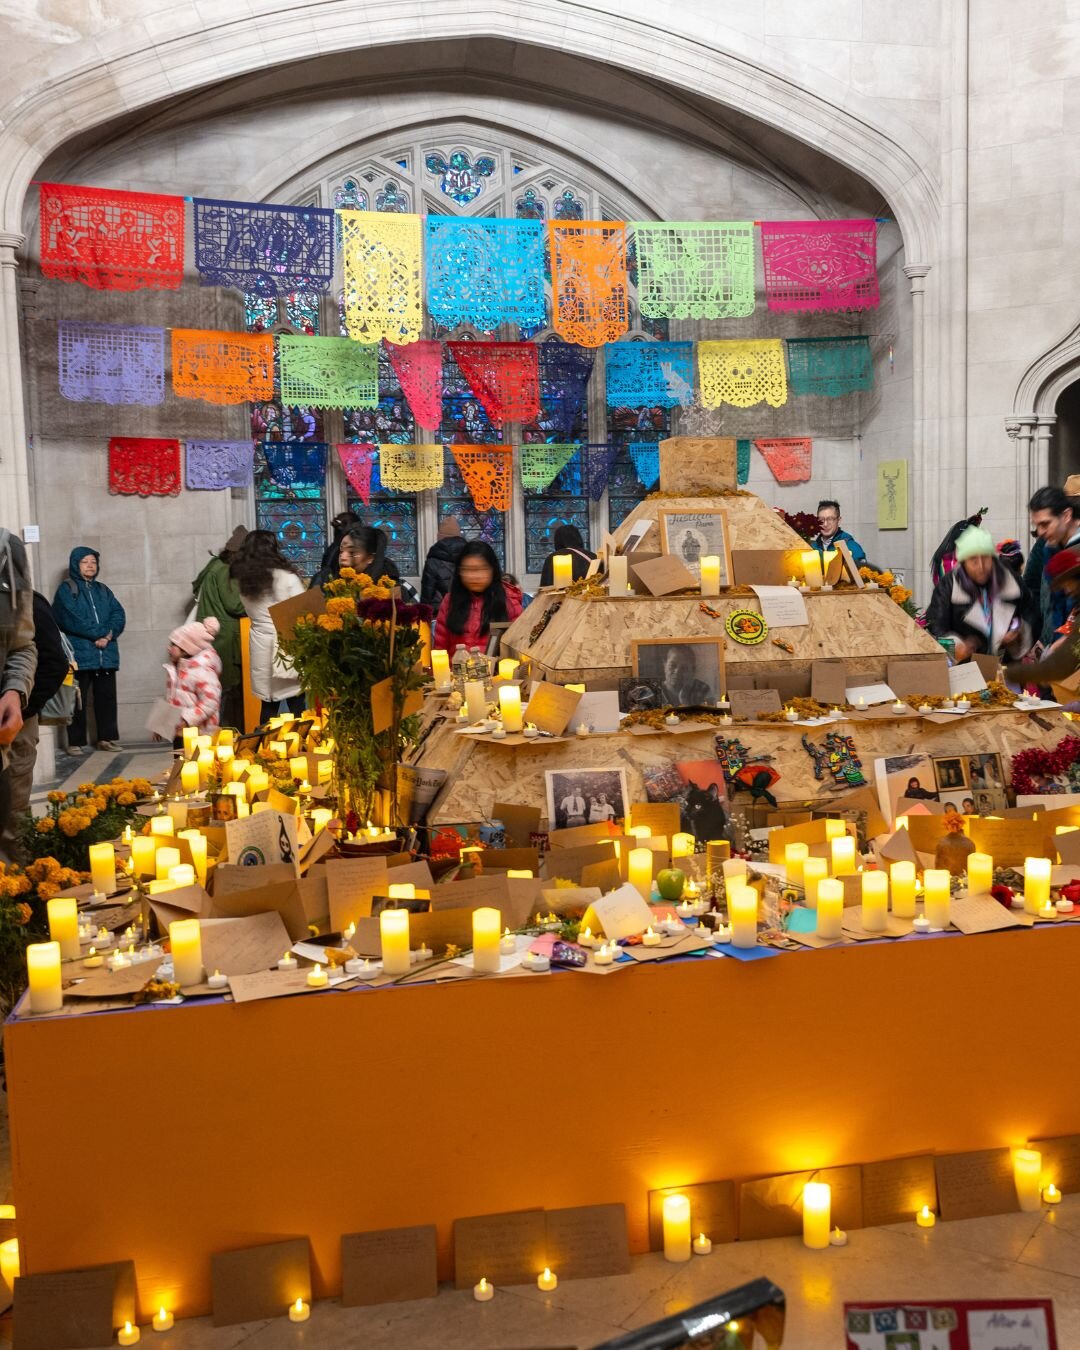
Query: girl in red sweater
point(478, 597)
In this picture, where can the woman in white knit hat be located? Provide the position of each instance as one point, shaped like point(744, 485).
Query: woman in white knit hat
point(981, 605)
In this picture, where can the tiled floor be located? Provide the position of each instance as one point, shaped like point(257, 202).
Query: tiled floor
point(146, 761)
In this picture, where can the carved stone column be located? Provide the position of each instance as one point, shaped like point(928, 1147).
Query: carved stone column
point(1020, 431)
point(1040, 458)
point(14, 468)
point(919, 496)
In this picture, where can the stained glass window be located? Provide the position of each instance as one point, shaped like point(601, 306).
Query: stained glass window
point(529, 206)
point(296, 515)
point(563, 502)
point(629, 426)
point(260, 313)
point(351, 196)
point(391, 198)
point(569, 207)
point(299, 309)
point(460, 176)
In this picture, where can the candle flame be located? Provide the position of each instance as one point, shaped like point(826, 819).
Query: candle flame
point(127, 1328)
point(299, 1305)
point(547, 1273)
point(162, 1313)
point(483, 1282)
point(93, 951)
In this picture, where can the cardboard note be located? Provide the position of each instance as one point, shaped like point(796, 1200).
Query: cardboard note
point(828, 682)
point(501, 1248)
point(269, 984)
point(870, 694)
point(772, 1207)
point(505, 859)
point(862, 799)
point(712, 1211)
point(622, 913)
point(911, 675)
point(520, 822)
point(897, 848)
point(781, 606)
point(1068, 847)
point(602, 876)
point(765, 566)
point(286, 612)
point(258, 1282)
point(812, 832)
point(73, 1307)
point(966, 678)
point(551, 707)
point(679, 945)
point(926, 831)
point(243, 946)
point(599, 711)
point(789, 684)
point(282, 897)
point(587, 1241)
point(106, 983)
point(568, 863)
point(895, 1191)
point(391, 1266)
point(747, 703)
point(663, 818)
point(665, 575)
point(981, 914)
point(577, 835)
point(973, 1185)
point(259, 840)
point(569, 899)
point(849, 563)
point(382, 705)
point(1061, 1161)
point(1009, 842)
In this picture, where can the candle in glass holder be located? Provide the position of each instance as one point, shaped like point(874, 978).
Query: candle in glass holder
point(639, 865)
point(440, 668)
point(710, 574)
point(902, 887)
point(830, 908)
point(875, 901)
point(162, 825)
point(843, 855)
point(63, 914)
point(510, 705)
point(185, 939)
point(103, 868)
point(165, 861)
point(676, 1219)
point(980, 873)
point(562, 570)
point(1027, 1173)
point(817, 1206)
point(1036, 884)
point(394, 932)
point(742, 902)
point(43, 974)
point(815, 870)
point(487, 933)
point(795, 856)
point(936, 882)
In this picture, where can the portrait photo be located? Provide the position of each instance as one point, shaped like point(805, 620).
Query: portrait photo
point(904, 778)
point(223, 807)
point(691, 535)
point(690, 670)
point(985, 772)
point(950, 773)
point(636, 694)
point(585, 797)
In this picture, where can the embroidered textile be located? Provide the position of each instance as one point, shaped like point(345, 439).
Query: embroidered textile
point(820, 264)
point(222, 367)
point(410, 468)
point(488, 471)
point(649, 374)
point(829, 366)
point(213, 465)
point(742, 462)
point(646, 459)
point(357, 462)
point(263, 250)
point(589, 280)
point(789, 457)
point(504, 376)
point(418, 368)
point(328, 372)
point(144, 466)
point(596, 462)
point(542, 463)
point(564, 383)
point(742, 373)
point(381, 260)
point(110, 240)
point(485, 272)
point(108, 363)
point(295, 464)
point(694, 269)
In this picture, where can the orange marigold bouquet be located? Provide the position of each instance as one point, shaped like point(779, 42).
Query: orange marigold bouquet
point(23, 917)
point(900, 595)
point(75, 820)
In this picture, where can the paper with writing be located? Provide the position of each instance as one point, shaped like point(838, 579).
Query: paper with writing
point(665, 575)
point(782, 606)
point(351, 885)
point(1061, 1161)
point(712, 1211)
point(599, 711)
point(501, 1248)
point(895, 1191)
point(870, 694)
point(73, 1307)
point(586, 1242)
point(263, 839)
point(765, 566)
point(747, 703)
point(551, 707)
point(679, 945)
point(258, 1282)
point(908, 675)
point(520, 822)
point(663, 818)
point(268, 984)
point(966, 678)
point(622, 913)
point(391, 1266)
point(1014, 1328)
point(243, 946)
point(282, 897)
point(973, 1185)
point(577, 835)
point(1009, 842)
point(981, 914)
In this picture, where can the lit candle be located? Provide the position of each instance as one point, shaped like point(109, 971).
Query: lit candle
point(189, 777)
point(980, 873)
point(321, 816)
point(1036, 884)
point(616, 574)
point(440, 668)
point(186, 942)
point(682, 845)
point(288, 962)
point(1027, 1173)
point(475, 701)
point(487, 930)
point(162, 825)
point(163, 1320)
point(710, 574)
point(196, 842)
point(299, 1311)
point(10, 1267)
point(225, 753)
point(510, 706)
point(875, 901)
point(742, 904)
point(562, 571)
point(103, 868)
point(183, 874)
point(828, 557)
point(483, 1292)
point(936, 896)
point(902, 887)
point(218, 981)
point(1051, 1195)
point(834, 828)
point(716, 850)
point(165, 861)
point(258, 780)
point(604, 955)
point(816, 1208)
point(204, 742)
point(815, 870)
point(676, 1216)
point(191, 736)
point(830, 908)
point(926, 1218)
point(394, 932)
point(547, 1281)
point(64, 925)
point(639, 867)
point(278, 749)
point(238, 768)
point(508, 667)
point(734, 869)
point(401, 890)
point(43, 972)
point(843, 855)
point(795, 855)
point(317, 978)
point(702, 1245)
point(92, 959)
point(298, 766)
point(129, 1335)
point(811, 566)
point(519, 874)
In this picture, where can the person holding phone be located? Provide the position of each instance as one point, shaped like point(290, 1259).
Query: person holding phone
point(981, 605)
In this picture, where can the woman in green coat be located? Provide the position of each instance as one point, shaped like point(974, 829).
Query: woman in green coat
point(216, 593)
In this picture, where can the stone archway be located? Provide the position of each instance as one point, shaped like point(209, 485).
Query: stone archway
point(1033, 420)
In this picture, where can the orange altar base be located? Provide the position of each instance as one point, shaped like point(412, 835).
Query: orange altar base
point(168, 1134)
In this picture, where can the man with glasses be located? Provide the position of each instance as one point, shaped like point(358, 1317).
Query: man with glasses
point(1055, 521)
point(828, 516)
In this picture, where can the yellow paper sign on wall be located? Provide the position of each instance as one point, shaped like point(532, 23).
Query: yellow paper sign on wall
point(892, 500)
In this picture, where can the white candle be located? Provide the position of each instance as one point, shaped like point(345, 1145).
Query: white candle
point(440, 668)
point(196, 842)
point(936, 882)
point(702, 1245)
point(830, 908)
point(189, 777)
point(811, 565)
point(183, 874)
point(547, 1281)
point(795, 856)
point(43, 972)
point(103, 868)
point(191, 736)
point(487, 930)
point(162, 825)
point(218, 981)
point(1027, 1173)
point(817, 1206)
point(843, 855)
point(483, 1292)
point(508, 667)
point(510, 705)
point(128, 1335)
point(734, 869)
point(682, 846)
point(639, 867)
point(875, 901)
point(163, 1320)
point(742, 911)
point(186, 942)
point(616, 574)
point(394, 932)
point(64, 925)
point(1036, 884)
point(562, 571)
point(288, 962)
point(475, 701)
point(710, 574)
point(980, 873)
point(815, 870)
point(902, 887)
point(165, 861)
point(299, 1311)
point(676, 1217)
point(317, 978)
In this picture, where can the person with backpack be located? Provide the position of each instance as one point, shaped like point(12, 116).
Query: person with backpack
point(567, 539)
point(93, 619)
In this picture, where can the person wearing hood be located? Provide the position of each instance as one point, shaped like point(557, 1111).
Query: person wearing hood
point(440, 562)
point(193, 675)
point(981, 604)
point(92, 619)
point(218, 596)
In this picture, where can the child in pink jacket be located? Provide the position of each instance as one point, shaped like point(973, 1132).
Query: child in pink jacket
point(193, 674)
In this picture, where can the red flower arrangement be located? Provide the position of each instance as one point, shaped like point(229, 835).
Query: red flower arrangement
point(1045, 764)
point(804, 523)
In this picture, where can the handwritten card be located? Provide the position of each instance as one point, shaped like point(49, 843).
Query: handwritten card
point(622, 913)
point(587, 1242)
point(895, 1191)
point(782, 606)
point(973, 1185)
point(663, 818)
point(352, 883)
point(828, 682)
point(966, 678)
point(1009, 842)
point(712, 1211)
point(73, 1307)
point(914, 675)
point(391, 1266)
point(599, 711)
point(772, 1207)
point(665, 575)
point(243, 946)
point(747, 703)
point(269, 984)
point(501, 1248)
point(869, 694)
point(981, 914)
point(258, 1282)
point(1013, 1328)
point(551, 707)
point(269, 837)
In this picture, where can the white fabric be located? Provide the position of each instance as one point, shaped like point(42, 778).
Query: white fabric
point(270, 680)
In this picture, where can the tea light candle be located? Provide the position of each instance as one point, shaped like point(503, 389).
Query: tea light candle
point(790, 715)
point(162, 825)
point(639, 867)
point(815, 870)
point(710, 574)
point(299, 1311)
point(902, 887)
point(875, 901)
point(537, 961)
point(702, 1245)
point(795, 855)
point(165, 860)
point(1036, 884)
point(103, 868)
point(817, 1206)
point(650, 938)
point(546, 1281)
point(682, 845)
point(676, 1220)
point(93, 960)
point(603, 956)
point(218, 981)
point(63, 914)
point(921, 924)
point(926, 1218)
point(185, 939)
point(317, 978)
point(440, 668)
point(980, 873)
point(830, 908)
point(483, 1292)
point(742, 910)
point(562, 570)
point(1027, 1173)
point(163, 1320)
point(843, 855)
point(936, 896)
point(129, 1335)
point(43, 972)
point(1051, 1195)
point(394, 932)
point(183, 874)
point(837, 1238)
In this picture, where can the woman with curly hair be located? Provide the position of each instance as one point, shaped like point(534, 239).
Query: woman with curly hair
point(265, 577)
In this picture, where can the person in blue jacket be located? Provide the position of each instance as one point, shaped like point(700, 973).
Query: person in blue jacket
point(828, 515)
point(93, 619)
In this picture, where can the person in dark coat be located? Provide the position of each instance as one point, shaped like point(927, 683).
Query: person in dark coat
point(93, 619)
point(440, 562)
point(339, 527)
point(981, 604)
point(567, 539)
point(1063, 659)
point(218, 596)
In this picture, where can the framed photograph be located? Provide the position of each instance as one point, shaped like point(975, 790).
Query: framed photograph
point(961, 803)
point(690, 670)
point(950, 772)
point(904, 778)
point(495, 637)
point(689, 535)
point(222, 807)
point(381, 902)
point(989, 801)
point(635, 695)
point(585, 797)
point(985, 773)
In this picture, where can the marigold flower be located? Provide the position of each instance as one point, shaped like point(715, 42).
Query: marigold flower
point(44, 825)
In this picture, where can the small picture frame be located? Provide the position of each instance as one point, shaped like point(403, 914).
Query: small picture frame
point(585, 797)
point(950, 772)
point(985, 773)
point(690, 670)
point(223, 807)
point(639, 693)
point(691, 534)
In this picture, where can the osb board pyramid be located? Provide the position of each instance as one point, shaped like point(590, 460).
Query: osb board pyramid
point(591, 639)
